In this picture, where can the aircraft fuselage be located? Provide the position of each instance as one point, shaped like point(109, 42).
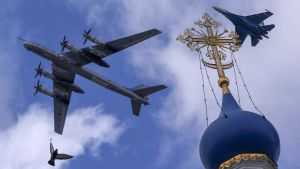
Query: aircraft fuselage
point(68, 65)
point(254, 29)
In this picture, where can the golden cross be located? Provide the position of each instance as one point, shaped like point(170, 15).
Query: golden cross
point(216, 43)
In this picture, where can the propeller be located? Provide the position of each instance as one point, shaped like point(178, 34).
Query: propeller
point(37, 87)
point(86, 34)
point(64, 43)
point(39, 70)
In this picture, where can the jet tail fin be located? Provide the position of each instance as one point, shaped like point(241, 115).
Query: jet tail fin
point(254, 41)
point(143, 91)
point(268, 27)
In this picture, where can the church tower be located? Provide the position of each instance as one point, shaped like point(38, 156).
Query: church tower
point(237, 139)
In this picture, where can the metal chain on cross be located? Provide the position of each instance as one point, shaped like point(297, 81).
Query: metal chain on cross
point(209, 82)
point(235, 80)
point(210, 85)
point(215, 44)
point(245, 86)
point(203, 87)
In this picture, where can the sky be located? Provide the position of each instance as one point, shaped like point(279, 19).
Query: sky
point(100, 130)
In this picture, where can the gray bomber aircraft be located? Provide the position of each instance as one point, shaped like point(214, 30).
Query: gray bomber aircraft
point(67, 64)
point(249, 25)
point(55, 156)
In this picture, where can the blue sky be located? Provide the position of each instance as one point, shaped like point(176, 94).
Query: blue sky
point(100, 129)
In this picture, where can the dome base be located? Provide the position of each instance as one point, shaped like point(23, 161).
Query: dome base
point(247, 161)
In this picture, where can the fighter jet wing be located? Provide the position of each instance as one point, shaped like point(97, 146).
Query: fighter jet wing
point(111, 47)
point(259, 18)
point(63, 157)
point(242, 34)
point(61, 102)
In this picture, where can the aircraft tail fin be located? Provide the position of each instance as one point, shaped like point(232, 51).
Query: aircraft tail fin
point(269, 27)
point(254, 41)
point(143, 91)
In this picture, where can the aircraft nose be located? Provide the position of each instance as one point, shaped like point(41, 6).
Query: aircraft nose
point(220, 9)
point(28, 45)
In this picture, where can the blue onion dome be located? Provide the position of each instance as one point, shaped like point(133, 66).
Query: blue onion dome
point(236, 132)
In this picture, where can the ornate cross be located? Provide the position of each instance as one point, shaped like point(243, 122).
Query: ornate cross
point(216, 44)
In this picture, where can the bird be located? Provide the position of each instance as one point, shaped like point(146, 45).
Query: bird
point(55, 156)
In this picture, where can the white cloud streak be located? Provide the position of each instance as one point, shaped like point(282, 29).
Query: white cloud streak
point(26, 144)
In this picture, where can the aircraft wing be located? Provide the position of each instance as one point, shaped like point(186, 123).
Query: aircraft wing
point(242, 34)
point(254, 41)
point(78, 59)
point(259, 18)
point(61, 102)
point(63, 156)
point(120, 44)
point(110, 47)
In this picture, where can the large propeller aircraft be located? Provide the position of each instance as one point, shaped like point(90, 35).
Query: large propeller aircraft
point(67, 64)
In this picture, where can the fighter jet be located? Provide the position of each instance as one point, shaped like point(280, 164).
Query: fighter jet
point(55, 156)
point(66, 65)
point(252, 25)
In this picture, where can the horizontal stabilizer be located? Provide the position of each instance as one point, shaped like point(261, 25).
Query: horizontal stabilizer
point(144, 90)
point(136, 106)
point(269, 27)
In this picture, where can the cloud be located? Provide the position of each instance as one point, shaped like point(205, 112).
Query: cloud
point(26, 144)
point(270, 69)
